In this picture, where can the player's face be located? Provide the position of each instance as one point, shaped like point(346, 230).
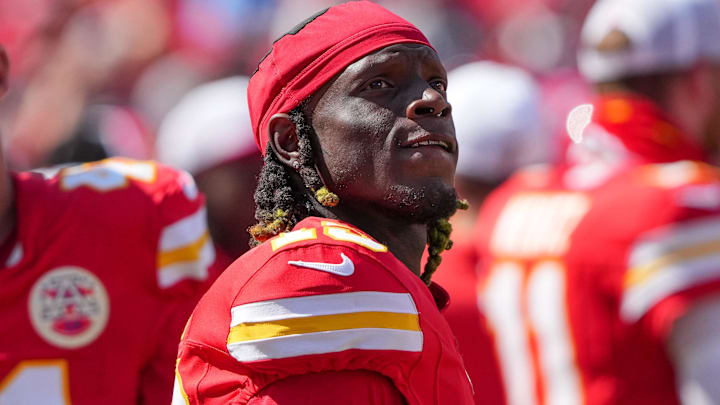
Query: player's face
point(386, 135)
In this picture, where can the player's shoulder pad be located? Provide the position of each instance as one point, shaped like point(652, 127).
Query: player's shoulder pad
point(321, 255)
point(169, 199)
point(675, 174)
point(323, 296)
point(676, 255)
point(154, 207)
point(689, 185)
point(185, 249)
point(120, 174)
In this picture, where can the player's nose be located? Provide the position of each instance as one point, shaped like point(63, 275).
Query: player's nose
point(432, 103)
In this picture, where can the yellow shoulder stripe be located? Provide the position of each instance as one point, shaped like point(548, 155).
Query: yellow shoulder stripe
point(639, 274)
point(323, 323)
point(187, 253)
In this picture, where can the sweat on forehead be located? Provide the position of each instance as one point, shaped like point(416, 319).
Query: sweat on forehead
point(308, 56)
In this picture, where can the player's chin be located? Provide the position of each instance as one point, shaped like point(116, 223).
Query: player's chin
point(425, 202)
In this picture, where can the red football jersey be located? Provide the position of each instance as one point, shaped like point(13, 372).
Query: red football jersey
point(107, 262)
point(324, 297)
point(586, 267)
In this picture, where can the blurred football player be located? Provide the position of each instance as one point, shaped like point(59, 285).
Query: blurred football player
point(332, 307)
point(497, 114)
point(602, 275)
point(100, 266)
point(208, 134)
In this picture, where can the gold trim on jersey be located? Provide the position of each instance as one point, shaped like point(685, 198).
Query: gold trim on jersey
point(185, 250)
point(186, 253)
point(323, 323)
point(179, 396)
point(639, 274)
point(668, 260)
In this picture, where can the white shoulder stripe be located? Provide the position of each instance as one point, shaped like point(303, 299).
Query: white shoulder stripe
point(674, 237)
point(327, 342)
point(639, 299)
point(196, 270)
point(669, 259)
point(328, 304)
point(178, 396)
point(184, 231)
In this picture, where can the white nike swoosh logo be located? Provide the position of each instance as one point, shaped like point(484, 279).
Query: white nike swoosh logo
point(345, 268)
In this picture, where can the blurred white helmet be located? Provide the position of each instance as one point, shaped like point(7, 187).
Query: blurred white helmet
point(496, 109)
point(624, 38)
point(209, 126)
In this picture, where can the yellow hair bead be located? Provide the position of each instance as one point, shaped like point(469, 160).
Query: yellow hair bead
point(272, 226)
point(258, 233)
point(326, 197)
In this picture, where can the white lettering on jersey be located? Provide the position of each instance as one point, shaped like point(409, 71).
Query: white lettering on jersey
point(525, 305)
point(538, 224)
point(37, 382)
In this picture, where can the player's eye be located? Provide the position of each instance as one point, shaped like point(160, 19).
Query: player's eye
point(378, 84)
point(439, 85)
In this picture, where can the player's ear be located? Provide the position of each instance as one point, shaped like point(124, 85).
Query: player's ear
point(283, 139)
point(4, 71)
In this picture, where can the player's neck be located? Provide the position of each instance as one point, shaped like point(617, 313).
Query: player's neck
point(405, 241)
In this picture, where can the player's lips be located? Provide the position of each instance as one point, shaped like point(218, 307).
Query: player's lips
point(445, 142)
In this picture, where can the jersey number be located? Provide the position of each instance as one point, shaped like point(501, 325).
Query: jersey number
point(527, 311)
point(36, 382)
point(332, 230)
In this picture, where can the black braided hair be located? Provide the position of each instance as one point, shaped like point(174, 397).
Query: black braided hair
point(438, 241)
point(279, 207)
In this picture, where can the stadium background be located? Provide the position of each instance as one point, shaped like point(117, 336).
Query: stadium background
point(94, 77)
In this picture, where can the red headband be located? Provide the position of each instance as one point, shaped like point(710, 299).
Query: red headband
point(304, 59)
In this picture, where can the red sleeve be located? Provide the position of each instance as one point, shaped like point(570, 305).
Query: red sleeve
point(185, 253)
point(231, 351)
point(156, 377)
point(336, 387)
point(672, 263)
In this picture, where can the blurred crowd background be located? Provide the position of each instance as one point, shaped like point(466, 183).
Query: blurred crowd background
point(96, 78)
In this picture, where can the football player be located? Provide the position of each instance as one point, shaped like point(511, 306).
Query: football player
point(602, 275)
point(349, 110)
point(100, 266)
